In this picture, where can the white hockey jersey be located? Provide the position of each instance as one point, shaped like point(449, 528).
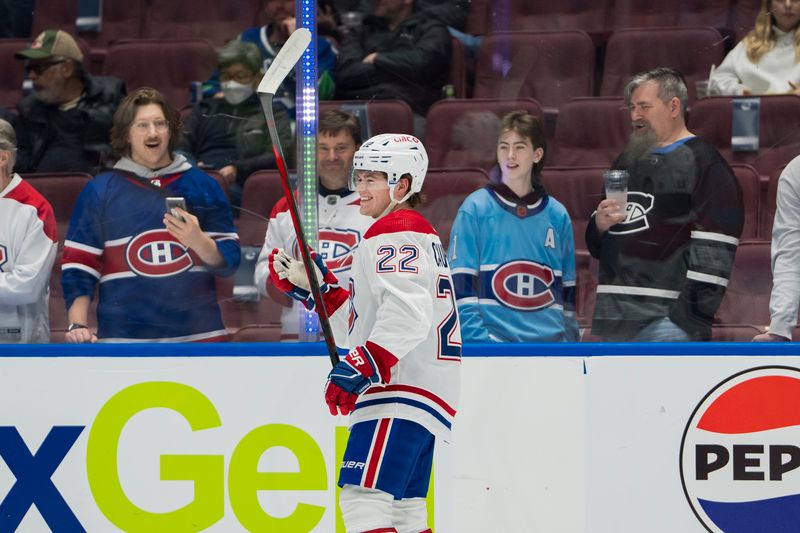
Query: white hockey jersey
point(402, 307)
point(341, 228)
point(27, 251)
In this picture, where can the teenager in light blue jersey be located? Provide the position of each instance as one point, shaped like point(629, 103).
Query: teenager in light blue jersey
point(512, 253)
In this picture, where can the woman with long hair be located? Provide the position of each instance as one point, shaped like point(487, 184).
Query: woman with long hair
point(767, 60)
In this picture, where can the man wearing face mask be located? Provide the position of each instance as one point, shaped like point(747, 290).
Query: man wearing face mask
point(229, 134)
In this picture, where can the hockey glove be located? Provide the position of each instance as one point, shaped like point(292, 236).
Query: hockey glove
point(289, 275)
point(279, 264)
point(350, 378)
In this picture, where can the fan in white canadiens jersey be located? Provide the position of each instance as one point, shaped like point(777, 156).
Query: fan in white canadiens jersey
point(400, 378)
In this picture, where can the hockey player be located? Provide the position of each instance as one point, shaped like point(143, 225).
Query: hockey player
point(27, 251)
point(401, 375)
point(512, 250)
point(155, 269)
point(341, 225)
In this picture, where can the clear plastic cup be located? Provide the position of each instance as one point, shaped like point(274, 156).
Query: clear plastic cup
point(616, 184)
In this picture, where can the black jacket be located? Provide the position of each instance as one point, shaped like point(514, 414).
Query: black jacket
point(77, 140)
point(673, 254)
point(412, 64)
point(218, 134)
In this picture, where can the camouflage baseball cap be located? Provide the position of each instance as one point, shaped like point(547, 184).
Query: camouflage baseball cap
point(52, 43)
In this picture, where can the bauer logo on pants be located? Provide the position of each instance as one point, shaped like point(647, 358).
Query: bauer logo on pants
point(740, 454)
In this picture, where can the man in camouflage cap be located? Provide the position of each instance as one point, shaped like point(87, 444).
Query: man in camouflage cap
point(64, 124)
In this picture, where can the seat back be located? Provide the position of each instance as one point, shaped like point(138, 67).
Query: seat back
point(215, 21)
point(580, 189)
point(463, 133)
point(13, 71)
point(748, 180)
point(261, 192)
point(690, 50)
point(650, 13)
point(376, 116)
point(747, 296)
point(734, 332)
point(444, 192)
point(590, 132)
point(61, 189)
point(458, 69)
point(120, 19)
point(551, 67)
point(541, 15)
point(169, 65)
point(779, 130)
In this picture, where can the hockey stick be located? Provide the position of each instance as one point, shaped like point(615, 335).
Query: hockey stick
point(289, 54)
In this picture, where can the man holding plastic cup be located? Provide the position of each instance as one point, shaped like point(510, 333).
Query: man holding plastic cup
point(667, 230)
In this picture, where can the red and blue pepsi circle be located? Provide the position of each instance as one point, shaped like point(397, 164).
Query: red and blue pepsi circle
point(740, 454)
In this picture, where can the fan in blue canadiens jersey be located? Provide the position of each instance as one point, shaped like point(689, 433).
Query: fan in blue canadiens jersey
point(511, 248)
point(401, 375)
point(154, 270)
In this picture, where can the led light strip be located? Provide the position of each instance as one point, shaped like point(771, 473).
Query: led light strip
point(306, 118)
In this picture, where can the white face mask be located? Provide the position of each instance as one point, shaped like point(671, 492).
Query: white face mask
point(235, 92)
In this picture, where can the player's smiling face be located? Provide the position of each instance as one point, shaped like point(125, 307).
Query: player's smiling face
point(149, 137)
point(373, 190)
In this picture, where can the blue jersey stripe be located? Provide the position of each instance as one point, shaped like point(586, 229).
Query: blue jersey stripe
point(407, 401)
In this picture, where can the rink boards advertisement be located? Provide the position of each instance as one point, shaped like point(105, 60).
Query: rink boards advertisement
point(547, 439)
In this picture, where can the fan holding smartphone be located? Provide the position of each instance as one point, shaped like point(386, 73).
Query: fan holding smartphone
point(174, 202)
point(153, 232)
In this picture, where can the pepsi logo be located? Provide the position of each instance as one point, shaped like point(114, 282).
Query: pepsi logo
point(156, 254)
point(523, 285)
point(3, 256)
point(740, 454)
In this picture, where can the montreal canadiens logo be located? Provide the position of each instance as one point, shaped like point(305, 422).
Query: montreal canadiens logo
point(740, 455)
point(337, 246)
point(156, 254)
point(523, 285)
point(636, 209)
point(3, 256)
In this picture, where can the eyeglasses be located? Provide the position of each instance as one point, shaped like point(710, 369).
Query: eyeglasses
point(241, 77)
point(40, 68)
point(144, 126)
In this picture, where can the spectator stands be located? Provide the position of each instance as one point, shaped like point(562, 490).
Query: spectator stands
point(551, 67)
point(636, 50)
point(578, 139)
point(779, 134)
point(169, 65)
point(568, 61)
point(376, 116)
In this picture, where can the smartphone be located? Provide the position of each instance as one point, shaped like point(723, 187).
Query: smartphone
point(173, 202)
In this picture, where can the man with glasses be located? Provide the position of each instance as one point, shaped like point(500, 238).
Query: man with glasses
point(64, 124)
point(229, 134)
point(27, 251)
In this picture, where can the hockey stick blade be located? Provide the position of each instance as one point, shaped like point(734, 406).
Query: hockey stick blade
point(289, 54)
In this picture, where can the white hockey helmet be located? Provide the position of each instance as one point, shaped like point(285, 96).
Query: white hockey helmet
point(396, 154)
